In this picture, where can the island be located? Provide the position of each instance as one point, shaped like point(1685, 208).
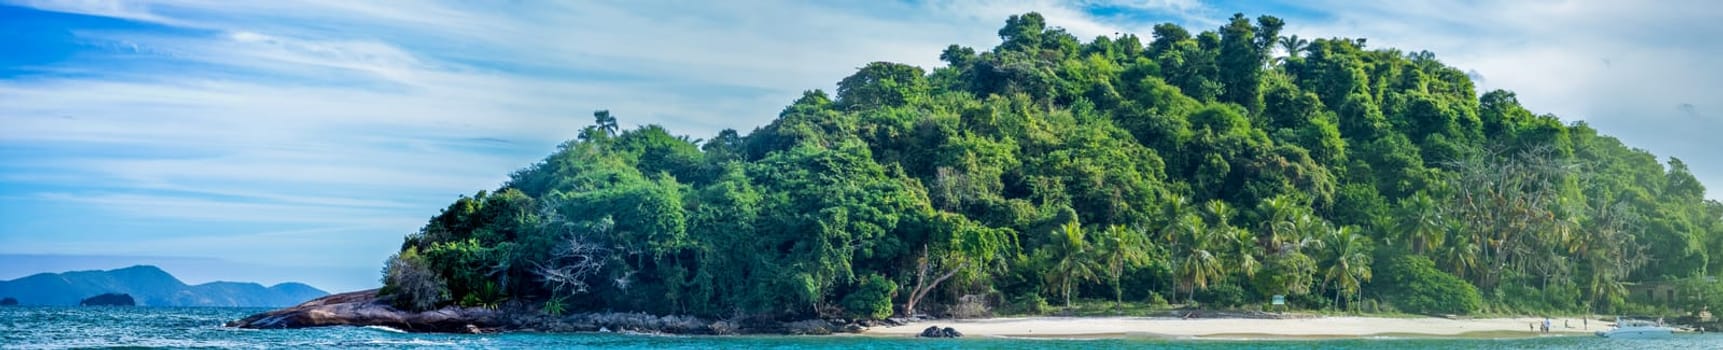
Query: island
point(109, 299)
point(9, 301)
point(1055, 186)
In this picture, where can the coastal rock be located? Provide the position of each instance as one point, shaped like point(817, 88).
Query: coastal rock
point(936, 332)
point(109, 299)
point(809, 327)
point(9, 301)
point(364, 308)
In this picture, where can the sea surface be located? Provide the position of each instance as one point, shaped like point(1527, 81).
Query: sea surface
point(140, 327)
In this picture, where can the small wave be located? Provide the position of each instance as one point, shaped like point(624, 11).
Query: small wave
point(386, 329)
point(412, 342)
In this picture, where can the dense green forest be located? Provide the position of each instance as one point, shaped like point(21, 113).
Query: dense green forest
point(1211, 169)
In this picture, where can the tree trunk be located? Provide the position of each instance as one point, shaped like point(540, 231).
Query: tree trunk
point(923, 286)
point(1067, 292)
point(1337, 299)
point(1118, 294)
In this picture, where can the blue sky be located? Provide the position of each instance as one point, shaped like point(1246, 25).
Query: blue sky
point(299, 140)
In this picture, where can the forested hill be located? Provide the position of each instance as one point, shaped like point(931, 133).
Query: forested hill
point(1217, 168)
point(151, 287)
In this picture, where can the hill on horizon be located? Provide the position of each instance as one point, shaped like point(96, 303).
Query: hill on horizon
point(151, 287)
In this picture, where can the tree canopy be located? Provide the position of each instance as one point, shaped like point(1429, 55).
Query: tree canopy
point(1220, 167)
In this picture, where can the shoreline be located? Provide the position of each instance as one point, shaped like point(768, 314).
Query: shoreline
point(365, 308)
point(1316, 328)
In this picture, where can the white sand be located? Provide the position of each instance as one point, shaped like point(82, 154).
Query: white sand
point(1090, 327)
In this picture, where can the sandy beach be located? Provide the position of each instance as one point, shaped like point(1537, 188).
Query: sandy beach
point(1224, 328)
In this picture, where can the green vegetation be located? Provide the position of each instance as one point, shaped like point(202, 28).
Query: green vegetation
point(1217, 168)
point(1415, 285)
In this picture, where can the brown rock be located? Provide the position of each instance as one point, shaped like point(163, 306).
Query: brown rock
point(364, 308)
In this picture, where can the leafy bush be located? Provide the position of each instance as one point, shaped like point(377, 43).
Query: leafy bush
point(1413, 284)
point(411, 283)
point(470, 264)
point(1156, 300)
point(1222, 295)
point(555, 307)
point(1027, 304)
point(872, 299)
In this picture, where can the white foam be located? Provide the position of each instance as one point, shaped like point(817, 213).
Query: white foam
point(386, 329)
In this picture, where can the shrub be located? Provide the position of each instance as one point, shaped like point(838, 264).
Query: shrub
point(872, 299)
point(555, 307)
point(1222, 295)
point(1413, 284)
point(1156, 300)
point(1028, 303)
point(412, 284)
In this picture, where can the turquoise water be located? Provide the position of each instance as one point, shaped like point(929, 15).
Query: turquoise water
point(73, 327)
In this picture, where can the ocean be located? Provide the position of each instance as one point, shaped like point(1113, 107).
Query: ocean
point(139, 327)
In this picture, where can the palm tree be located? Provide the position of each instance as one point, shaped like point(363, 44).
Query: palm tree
point(1219, 212)
point(1307, 232)
point(1244, 250)
point(1421, 218)
point(1348, 262)
point(604, 121)
point(1293, 46)
point(1460, 255)
point(1073, 262)
point(1195, 261)
point(1278, 222)
point(1120, 248)
point(1176, 207)
point(1239, 245)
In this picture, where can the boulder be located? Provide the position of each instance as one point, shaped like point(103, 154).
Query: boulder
point(109, 299)
point(937, 332)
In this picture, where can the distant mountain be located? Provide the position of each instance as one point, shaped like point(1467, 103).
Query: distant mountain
point(150, 286)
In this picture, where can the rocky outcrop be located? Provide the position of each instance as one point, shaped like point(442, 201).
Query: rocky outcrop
point(109, 299)
point(8, 301)
point(936, 332)
point(364, 308)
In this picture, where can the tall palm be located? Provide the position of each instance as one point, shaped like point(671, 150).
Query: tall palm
point(1244, 252)
point(1073, 260)
point(1176, 208)
point(1195, 262)
point(1293, 45)
point(1279, 215)
point(1219, 212)
point(604, 121)
point(1421, 219)
point(1305, 232)
point(1460, 255)
point(1348, 264)
point(1120, 248)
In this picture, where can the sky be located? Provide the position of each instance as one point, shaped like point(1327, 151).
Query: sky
point(275, 141)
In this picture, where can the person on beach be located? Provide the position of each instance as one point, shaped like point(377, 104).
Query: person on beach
point(1546, 325)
